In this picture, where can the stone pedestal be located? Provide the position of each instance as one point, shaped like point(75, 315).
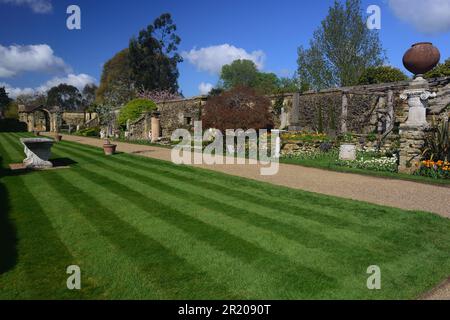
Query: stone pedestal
point(412, 139)
point(412, 133)
point(38, 152)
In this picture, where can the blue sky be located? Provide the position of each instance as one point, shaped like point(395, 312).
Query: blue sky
point(37, 50)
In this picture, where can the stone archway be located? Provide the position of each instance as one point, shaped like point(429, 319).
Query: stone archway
point(42, 120)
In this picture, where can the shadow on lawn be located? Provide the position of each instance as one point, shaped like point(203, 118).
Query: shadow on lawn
point(8, 236)
point(62, 162)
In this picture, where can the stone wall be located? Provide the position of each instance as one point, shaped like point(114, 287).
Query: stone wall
point(180, 114)
point(360, 109)
point(77, 118)
point(139, 129)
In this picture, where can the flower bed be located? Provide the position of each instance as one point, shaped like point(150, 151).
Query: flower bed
point(384, 163)
point(434, 169)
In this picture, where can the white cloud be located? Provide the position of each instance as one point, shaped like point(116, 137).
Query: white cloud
point(79, 81)
point(213, 58)
point(427, 16)
point(205, 88)
point(15, 92)
point(38, 6)
point(16, 59)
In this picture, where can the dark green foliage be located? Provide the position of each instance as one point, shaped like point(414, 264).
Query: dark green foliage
point(4, 100)
point(11, 111)
point(116, 87)
point(341, 49)
point(65, 96)
point(441, 70)
point(153, 56)
point(89, 132)
point(239, 73)
point(381, 74)
point(437, 143)
point(88, 93)
point(134, 109)
point(12, 125)
point(32, 100)
point(244, 73)
point(372, 137)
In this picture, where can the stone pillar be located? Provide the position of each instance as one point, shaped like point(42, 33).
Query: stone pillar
point(412, 133)
point(295, 113)
point(147, 125)
point(390, 113)
point(32, 124)
point(344, 112)
point(156, 128)
point(412, 139)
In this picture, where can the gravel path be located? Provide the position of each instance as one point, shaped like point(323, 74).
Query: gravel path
point(389, 192)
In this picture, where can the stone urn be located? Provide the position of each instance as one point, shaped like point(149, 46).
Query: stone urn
point(347, 152)
point(109, 148)
point(38, 152)
point(421, 58)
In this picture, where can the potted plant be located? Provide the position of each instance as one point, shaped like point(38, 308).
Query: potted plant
point(109, 148)
point(347, 149)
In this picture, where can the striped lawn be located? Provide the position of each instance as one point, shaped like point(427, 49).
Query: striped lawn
point(146, 229)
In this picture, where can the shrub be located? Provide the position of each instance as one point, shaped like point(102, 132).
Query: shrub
point(441, 70)
point(12, 125)
point(372, 137)
point(437, 143)
point(347, 138)
point(134, 109)
point(89, 132)
point(383, 74)
point(238, 108)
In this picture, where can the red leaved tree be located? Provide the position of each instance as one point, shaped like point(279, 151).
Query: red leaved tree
point(238, 108)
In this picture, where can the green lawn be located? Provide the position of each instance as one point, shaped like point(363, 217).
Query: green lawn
point(142, 228)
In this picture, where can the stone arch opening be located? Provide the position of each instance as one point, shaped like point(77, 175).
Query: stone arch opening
point(42, 120)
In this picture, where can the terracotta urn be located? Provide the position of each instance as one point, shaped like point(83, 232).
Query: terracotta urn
point(109, 148)
point(421, 58)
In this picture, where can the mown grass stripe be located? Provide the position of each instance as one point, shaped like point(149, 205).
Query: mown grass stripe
point(43, 258)
point(330, 208)
point(220, 239)
point(303, 211)
point(107, 272)
point(403, 277)
point(297, 233)
point(11, 148)
point(245, 281)
point(166, 270)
